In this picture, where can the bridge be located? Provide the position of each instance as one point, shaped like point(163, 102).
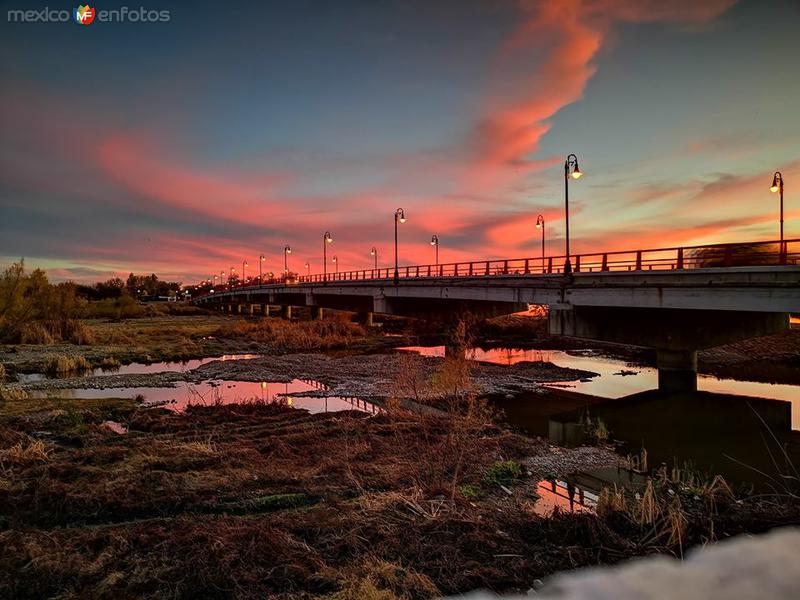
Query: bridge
point(676, 300)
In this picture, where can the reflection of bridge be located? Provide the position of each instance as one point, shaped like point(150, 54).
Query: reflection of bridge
point(676, 300)
point(357, 403)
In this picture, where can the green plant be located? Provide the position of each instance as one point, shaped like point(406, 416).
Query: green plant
point(502, 473)
point(471, 492)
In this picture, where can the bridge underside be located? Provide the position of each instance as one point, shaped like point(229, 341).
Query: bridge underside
point(677, 314)
point(676, 335)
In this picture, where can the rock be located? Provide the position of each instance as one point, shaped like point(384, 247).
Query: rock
point(742, 568)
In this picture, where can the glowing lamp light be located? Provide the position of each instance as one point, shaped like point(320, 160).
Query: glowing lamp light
point(774, 187)
point(576, 174)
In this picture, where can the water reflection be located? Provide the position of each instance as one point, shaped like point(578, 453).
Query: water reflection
point(617, 378)
point(141, 368)
point(746, 440)
point(226, 392)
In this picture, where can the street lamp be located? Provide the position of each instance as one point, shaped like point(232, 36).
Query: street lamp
point(571, 169)
point(222, 277)
point(399, 217)
point(308, 269)
point(286, 252)
point(261, 260)
point(326, 239)
point(777, 187)
point(336, 263)
point(435, 243)
point(374, 253)
point(540, 225)
point(244, 265)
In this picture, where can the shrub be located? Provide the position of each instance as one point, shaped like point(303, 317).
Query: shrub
point(2, 372)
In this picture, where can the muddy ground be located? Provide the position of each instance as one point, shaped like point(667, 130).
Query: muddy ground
point(370, 376)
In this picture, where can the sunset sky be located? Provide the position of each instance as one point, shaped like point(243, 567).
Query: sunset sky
point(183, 148)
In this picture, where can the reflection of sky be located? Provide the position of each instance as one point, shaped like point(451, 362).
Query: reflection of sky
point(610, 384)
point(187, 146)
point(224, 392)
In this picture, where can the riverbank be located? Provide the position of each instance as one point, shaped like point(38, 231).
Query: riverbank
point(258, 499)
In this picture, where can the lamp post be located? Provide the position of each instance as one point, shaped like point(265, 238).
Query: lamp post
point(244, 265)
point(326, 239)
point(336, 263)
point(571, 169)
point(399, 217)
point(435, 244)
point(230, 279)
point(374, 253)
point(777, 187)
point(287, 250)
point(540, 225)
point(261, 260)
point(308, 269)
point(222, 277)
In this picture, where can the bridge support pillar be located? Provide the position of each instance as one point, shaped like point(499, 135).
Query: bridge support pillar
point(366, 318)
point(265, 310)
point(252, 308)
point(677, 370)
point(240, 308)
point(230, 308)
point(286, 312)
point(316, 313)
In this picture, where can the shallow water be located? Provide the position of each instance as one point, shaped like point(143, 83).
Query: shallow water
point(612, 384)
point(143, 368)
point(225, 392)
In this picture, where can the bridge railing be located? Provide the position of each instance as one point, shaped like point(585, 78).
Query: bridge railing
point(654, 259)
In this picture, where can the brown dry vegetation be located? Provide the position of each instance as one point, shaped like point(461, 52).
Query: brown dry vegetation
point(296, 336)
point(257, 500)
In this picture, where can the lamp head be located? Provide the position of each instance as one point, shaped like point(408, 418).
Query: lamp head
point(576, 173)
point(328, 237)
point(400, 215)
point(776, 179)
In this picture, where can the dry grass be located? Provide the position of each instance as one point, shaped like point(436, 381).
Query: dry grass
point(61, 364)
point(25, 453)
point(296, 336)
point(259, 500)
point(2, 372)
point(10, 394)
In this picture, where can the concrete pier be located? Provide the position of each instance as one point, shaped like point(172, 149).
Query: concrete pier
point(286, 311)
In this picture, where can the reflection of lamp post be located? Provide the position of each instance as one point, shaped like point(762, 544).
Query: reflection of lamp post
point(435, 243)
point(399, 217)
point(540, 225)
point(336, 263)
point(286, 252)
point(374, 253)
point(777, 186)
point(326, 239)
point(570, 169)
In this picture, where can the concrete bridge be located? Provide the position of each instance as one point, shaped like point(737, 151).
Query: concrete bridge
point(675, 300)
